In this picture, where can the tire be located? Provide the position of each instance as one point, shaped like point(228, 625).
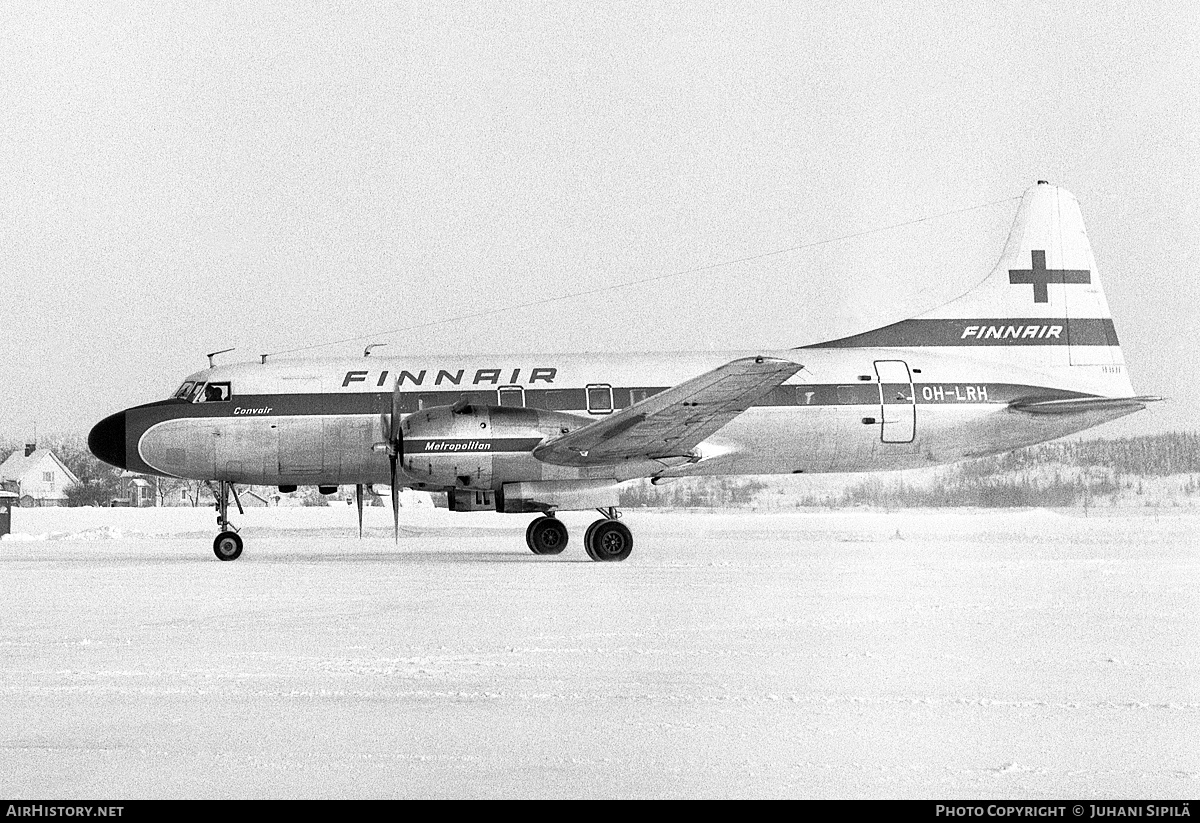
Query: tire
point(611, 541)
point(227, 546)
point(587, 538)
point(546, 535)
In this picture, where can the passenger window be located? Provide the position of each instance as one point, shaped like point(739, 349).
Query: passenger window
point(558, 399)
point(512, 396)
point(849, 396)
point(599, 399)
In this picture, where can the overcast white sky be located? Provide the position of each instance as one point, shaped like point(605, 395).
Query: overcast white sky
point(176, 179)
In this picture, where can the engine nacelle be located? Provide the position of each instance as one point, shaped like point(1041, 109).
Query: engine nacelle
point(578, 495)
point(477, 447)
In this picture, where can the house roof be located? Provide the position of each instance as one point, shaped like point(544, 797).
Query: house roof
point(18, 465)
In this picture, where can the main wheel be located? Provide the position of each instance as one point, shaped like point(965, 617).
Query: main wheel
point(587, 539)
point(609, 540)
point(227, 546)
point(546, 535)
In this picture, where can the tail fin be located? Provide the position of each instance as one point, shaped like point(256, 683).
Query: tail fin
point(1042, 306)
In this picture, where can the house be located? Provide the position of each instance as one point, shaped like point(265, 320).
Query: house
point(135, 491)
point(38, 477)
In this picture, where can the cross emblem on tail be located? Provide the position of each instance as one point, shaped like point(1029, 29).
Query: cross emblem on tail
point(1039, 276)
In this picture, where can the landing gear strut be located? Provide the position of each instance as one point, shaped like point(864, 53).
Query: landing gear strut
point(227, 546)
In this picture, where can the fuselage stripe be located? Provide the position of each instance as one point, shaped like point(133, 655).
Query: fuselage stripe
point(1021, 331)
point(575, 400)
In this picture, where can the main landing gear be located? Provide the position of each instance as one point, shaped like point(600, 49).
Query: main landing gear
point(605, 540)
point(227, 546)
point(546, 535)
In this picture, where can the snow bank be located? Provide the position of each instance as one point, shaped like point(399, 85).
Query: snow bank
point(104, 523)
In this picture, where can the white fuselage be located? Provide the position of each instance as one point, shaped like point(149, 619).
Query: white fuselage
point(308, 422)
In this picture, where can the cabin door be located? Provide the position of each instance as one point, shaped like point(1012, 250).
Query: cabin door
point(897, 401)
point(301, 437)
point(301, 448)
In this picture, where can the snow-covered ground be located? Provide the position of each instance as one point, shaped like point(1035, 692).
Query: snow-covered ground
point(939, 654)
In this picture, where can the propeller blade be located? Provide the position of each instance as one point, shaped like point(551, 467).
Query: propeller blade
point(358, 496)
point(395, 502)
point(395, 449)
point(397, 412)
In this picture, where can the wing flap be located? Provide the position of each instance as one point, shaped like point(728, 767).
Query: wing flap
point(673, 422)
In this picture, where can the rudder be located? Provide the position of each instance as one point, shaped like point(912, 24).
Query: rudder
point(1041, 307)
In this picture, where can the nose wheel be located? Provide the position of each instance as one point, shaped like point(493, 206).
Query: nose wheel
point(227, 545)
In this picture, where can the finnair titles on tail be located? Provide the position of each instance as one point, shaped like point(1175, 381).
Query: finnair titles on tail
point(1028, 355)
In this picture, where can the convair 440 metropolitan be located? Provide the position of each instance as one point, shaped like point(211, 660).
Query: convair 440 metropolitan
point(1028, 355)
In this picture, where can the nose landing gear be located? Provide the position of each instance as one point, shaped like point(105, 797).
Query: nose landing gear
point(227, 545)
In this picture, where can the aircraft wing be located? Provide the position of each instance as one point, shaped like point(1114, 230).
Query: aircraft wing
point(671, 423)
point(1082, 404)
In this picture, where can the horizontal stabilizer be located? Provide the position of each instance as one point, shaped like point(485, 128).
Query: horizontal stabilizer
point(1082, 405)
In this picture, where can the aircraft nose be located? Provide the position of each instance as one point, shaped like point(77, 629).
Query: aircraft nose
point(107, 440)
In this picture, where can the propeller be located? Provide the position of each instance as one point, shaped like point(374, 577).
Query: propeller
point(358, 497)
point(395, 449)
point(389, 424)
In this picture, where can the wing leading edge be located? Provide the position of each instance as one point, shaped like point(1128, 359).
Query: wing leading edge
point(673, 422)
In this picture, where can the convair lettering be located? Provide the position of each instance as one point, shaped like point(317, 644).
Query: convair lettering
point(1032, 332)
point(259, 410)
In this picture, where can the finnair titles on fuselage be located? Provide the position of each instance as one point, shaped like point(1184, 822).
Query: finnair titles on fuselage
point(1028, 355)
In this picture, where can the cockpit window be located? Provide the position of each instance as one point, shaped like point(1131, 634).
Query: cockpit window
point(214, 393)
point(201, 392)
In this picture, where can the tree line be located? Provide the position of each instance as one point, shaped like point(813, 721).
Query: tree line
point(1049, 474)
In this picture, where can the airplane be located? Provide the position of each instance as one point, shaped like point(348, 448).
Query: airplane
point(1028, 355)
